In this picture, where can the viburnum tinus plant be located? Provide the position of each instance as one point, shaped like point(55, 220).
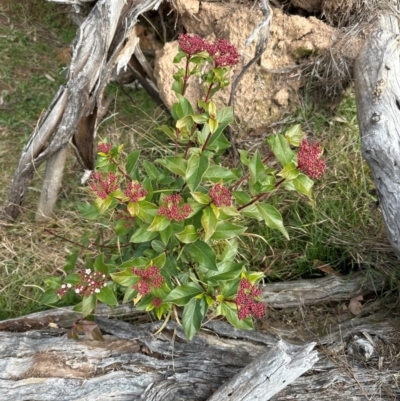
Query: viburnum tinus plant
point(178, 220)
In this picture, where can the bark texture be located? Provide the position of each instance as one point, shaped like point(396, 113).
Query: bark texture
point(377, 73)
point(104, 44)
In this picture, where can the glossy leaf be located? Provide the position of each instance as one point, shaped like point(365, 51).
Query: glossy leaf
point(197, 166)
point(209, 222)
point(193, 315)
point(49, 297)
point(289, 172)
point(159, 223)
point(107, 296)
point(226, 230)
point(176, 164)
point(304, 185)
point(281, 148)
point(183, 294)
point(125, 278)
point(272, 217)
point(294, 135)
point(203, 254)
point(201, 198)
point(188, 235)
point(88, 305)
point(131, 162)
point(217, 174)
point(142, 234)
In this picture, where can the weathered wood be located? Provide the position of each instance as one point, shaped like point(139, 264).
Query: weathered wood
point(95, 54)
point(38, 363)
point(377, 89)
point(331, 288)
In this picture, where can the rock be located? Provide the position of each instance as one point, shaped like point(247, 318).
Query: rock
point(262, 96)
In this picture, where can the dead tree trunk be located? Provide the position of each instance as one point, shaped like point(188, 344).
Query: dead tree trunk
point(377, 88)
point(104, 45)
point(38, 362)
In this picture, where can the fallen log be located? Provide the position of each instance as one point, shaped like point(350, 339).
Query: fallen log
point(377, 92)
point(355, 361)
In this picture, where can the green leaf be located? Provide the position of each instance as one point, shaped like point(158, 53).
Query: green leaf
point(183, 294)
point(184, 107)
point(176, 164)
point(151, 170)
point(158, 245)
point(197, 166)
point(170, 132)
point(209, 222)
point(232, 317)
point(133, 208)
point(252, 212)
point(159, 260)
point(89, 212)
point(100, 266)
point(203, 254)
point(304, 185)
point(188, 235)
point(289, 172)
point(70, 261)
point(241, 197)
point(217, 174)
point(226, 230)
point(213, 124)
point(225, 115)
point(243, 156)
point(272, 217)
point(179, 56)
point(165, 234)
point(107, 296)
point(281, 148)
point(257, 171)
point(201, 198)
point(294, 135)
point(147, 211)
point(200, 118)
point(142, 234)
point(130, 293)
point(159, 223)
point(88, 305)
point(49, 297)
point(131, 162)
point(226, 271)
point(125, 278)
point(177, 85)
point(185, 122)
point(230, 250)
point(193, 315)
point(53, 282)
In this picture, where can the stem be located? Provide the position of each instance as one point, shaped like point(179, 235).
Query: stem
point(188, 144)
point(209, 92)
point(186, 77)
point(245, 177)
point(260, 196)
point(197, 276)
point(123, 172)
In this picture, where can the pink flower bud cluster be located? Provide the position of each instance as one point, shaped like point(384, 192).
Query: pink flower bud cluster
point(220, 195)
point(104, 147)
point(226, 55)
point(246, 303)
point(90, 283)
point(309, 160)
point(174, 209)
point(135, 191)
point(223, 53)
point(103, 185)
point(150, 277)
point(156, 302)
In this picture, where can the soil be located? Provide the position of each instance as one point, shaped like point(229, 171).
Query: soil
point(268, 90)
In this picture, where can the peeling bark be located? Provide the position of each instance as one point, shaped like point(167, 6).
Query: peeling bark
point(38, 363)
point(377, 89)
